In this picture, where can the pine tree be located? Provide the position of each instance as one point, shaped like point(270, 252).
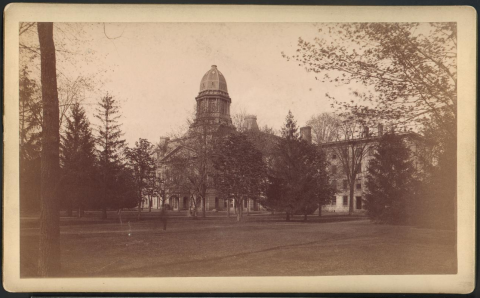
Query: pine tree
point(290, 130)
point(30, 118)
point(141, 162)
point(391, 186)
point(78, 160)
point(110, 143)
point(240, 171)
point(299, 178)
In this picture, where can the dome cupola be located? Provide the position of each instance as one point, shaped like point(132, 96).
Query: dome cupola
point(213, 80)
point(213, 101)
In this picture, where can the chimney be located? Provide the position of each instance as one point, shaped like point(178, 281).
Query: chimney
point(380, 130)
point(306, 133)
point(251, 122)
point(162, 146)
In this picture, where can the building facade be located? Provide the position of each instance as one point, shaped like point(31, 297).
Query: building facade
point(213, 119)
point(343, 155)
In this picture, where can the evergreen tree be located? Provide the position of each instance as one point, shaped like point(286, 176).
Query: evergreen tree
point(438, 207)
point(290, 130)
point(78, 160)
point(30, 142)
point(110, 143)
point(391, 186)
point(141, 162)
point(300, 180)
point(240, 171)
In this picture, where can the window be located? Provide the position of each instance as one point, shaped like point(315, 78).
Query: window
point(334, 185)
point(345, 184)
point(245, 203)
point(334, 156)
point(334, 201)
point(359, 202)
point(345, 201)
point(359, 185)
point(334, 169)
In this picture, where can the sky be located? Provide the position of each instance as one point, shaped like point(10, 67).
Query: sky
point(154, 71)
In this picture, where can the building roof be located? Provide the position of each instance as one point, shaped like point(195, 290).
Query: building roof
point(213, 80)
point(372, 138)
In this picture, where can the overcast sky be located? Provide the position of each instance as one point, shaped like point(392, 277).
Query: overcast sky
point(154, 70)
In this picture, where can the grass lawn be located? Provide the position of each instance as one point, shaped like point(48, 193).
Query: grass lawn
point(262, 245)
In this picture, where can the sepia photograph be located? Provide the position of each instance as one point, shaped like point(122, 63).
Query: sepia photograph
point(255, 149)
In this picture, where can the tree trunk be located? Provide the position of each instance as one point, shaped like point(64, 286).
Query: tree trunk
point(150, 204)
point(248, 207)
point(239, 211)
point(204, 208)
point(319, 209)
point(119, 212)
point(288, 216)
point(228, 207)
point(350, 206)
point(194, 209)
point(139, 210)
point(352, 182)
point(49, 246)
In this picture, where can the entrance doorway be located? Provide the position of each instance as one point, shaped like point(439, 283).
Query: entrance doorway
point(358, 202)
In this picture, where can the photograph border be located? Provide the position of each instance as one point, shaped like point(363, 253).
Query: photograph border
point(465, 17)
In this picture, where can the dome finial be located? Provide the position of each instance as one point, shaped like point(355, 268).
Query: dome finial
point(213, 79)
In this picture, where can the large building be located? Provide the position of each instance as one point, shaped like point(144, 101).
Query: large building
point(359, 151)
point(213, 118)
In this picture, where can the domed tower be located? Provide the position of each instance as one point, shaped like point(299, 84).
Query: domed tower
point(213, 101)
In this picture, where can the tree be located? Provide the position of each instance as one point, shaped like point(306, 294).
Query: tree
point(239, 169)
point(300, 179)
point(391, 185)
point(410, 71)
point(78, 160)
point(239, 120)
point(30, 118)
point(437, 209)
point(411, 67)
point(351, 148)
point(49, 247)
point(141, 162)
point(110, 143)
point(71, 48)
point(324, 127)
